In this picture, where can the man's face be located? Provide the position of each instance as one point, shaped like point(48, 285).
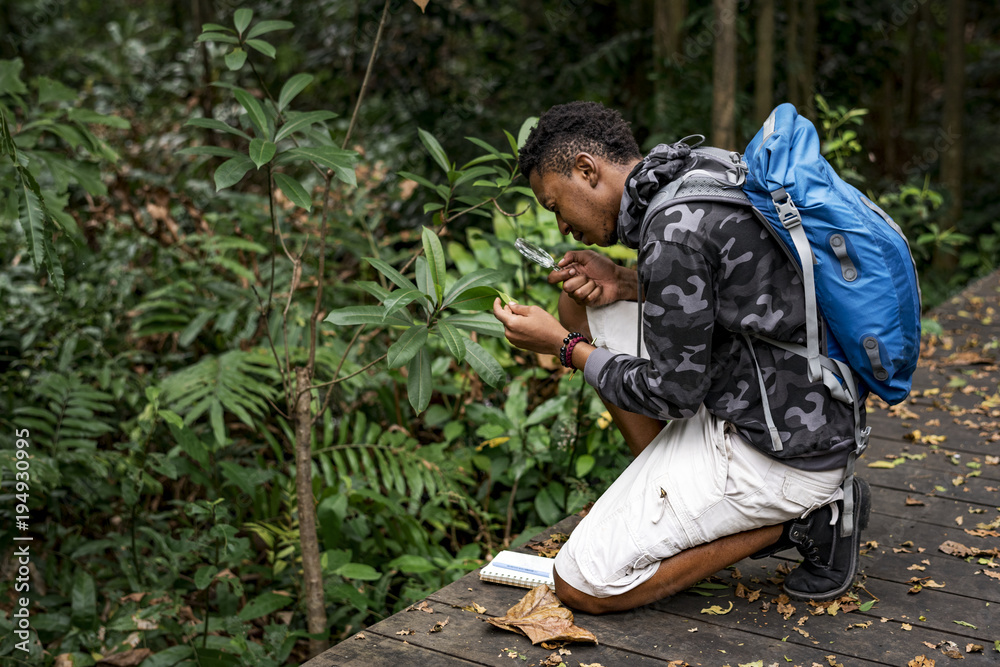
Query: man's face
point(585, 203)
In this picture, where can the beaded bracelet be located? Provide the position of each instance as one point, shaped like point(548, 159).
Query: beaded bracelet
point(566, 352)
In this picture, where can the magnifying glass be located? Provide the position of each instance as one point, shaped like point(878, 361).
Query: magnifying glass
point(536, 254)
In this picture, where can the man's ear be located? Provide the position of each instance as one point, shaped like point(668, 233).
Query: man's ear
point(589, 168)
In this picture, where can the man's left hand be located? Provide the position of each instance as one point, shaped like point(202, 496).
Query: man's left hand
point(530, 327)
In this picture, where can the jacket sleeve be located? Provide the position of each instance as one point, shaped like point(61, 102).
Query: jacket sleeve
point(678, 321)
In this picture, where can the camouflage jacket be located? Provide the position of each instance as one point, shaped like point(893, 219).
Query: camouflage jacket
point(709, 272)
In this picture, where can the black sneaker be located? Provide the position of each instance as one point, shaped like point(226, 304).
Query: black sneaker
point(830, 561)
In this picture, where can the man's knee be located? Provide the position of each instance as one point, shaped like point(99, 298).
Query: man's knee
point(572, 315)
point(577, 600)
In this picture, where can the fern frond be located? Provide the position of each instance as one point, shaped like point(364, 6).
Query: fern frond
point(237, 382)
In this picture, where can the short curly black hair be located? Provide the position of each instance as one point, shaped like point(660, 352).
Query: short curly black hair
point(567, 129)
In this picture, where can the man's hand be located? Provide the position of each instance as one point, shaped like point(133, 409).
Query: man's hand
point(530, 327)
point(591, 279)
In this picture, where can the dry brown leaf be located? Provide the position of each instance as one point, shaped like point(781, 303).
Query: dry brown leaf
point(860, 625)
point(422, 4)
point(553, 659)
point(906, 626)
point(933, 584)
point(929, 645)
point(125, 658)
point(786, 610)
point(540, 616)
point(914, 501)
point(474, 607)
point(748, 594)
point(439, 626)
point(360, 635)
point(783, 568)
point(591, 664)
point(973, 648)
point(421, 606)
point(921, 661)
point(919, 568)
point(953, 548)
point(550, 547)
point(406, 631)
point(992, 575)
point(800, 631)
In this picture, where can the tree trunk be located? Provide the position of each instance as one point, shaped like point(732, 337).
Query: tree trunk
point(668, 27)
point(309, 542)
point(793, 54)
point(807, 46)
point(954, 108)
point(724, 76)
point(764, 83)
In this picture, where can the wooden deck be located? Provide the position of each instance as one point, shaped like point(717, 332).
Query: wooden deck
point(945, 441)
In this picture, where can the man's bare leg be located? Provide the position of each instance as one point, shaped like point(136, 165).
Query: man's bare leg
point(676, 573)
point(638, 430)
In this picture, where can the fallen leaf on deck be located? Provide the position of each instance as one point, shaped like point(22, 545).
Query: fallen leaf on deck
point(553, 659)
point(801, 631)
point(716, 610)
point(748, 594)
point(421, 606)
point(786, 610)
point(406, 631)
point(992, 575)
point(550, 547)
point(921, 661)
point(540, 616)
point(933, 584)
point(906, 626)
point(973, 648)
point(914, 501)
point(919, 568)
point(360, 635)
point(439, 626)
point(692, 629)
point(859, 625)
point(591, 664)
point(953, 548)
point(966, 625)
point(929, 645)
point(477, 608)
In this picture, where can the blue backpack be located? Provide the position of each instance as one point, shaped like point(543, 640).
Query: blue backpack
point(859, 279)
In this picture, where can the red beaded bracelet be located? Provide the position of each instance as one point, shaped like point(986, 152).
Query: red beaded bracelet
point(566, 354)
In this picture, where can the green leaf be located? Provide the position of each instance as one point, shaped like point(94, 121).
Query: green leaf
point(294, 191)
point(964, 624)
point(512, 141)
point(454, 340)
point(84, 600)
point(262, 46)
point(475, 172)
point(418, 381)
point(192, 330)
point(91, 117)
point(490, 149)
point(212, 124)
point(354, 315)
point(263, 27)
point(412, 564)
point(261, 151)
point(548, 510)
point(242, 18)
point(435, 149)
point(400, 298)
point(866, 606)
point(484, 364)
point(407, 346)
point(214, 27)
point(477, 298)
point(216, 151)
point(477, 278)
point(416, 178)
point(300, 121)
point(168, 657)
point(584, 465)
point(526, 127)
point(435, 260)
point(292, 87)
point(341, 161)
point(32, 217)
point(236, 58)
point(204, 576)
point(484, 323)
point(10, 77)
point(389, 272)
point(254, 110)
point(217, 37)
point(358, 571)
point(231, 171)
point(264, 604)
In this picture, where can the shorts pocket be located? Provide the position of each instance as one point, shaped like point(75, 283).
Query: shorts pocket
point(807, 493)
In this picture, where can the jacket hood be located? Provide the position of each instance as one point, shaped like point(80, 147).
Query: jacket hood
point(655, 170)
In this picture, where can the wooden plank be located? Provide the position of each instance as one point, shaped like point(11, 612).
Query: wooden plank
point(649, 633)
point(938, 510)
point(937, 458)
point(374, 650)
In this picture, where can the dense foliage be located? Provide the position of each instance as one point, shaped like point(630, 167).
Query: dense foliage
point(193, 214)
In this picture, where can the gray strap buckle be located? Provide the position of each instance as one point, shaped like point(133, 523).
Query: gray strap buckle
point(788, 214)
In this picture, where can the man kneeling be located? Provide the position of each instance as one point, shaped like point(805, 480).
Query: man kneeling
point(677, 341)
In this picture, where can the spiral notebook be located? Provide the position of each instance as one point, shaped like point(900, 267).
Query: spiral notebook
point(518, 569)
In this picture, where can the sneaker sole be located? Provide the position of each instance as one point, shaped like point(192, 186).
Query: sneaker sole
point(862, 511)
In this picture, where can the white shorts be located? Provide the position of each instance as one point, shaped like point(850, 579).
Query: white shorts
point(696, 482)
